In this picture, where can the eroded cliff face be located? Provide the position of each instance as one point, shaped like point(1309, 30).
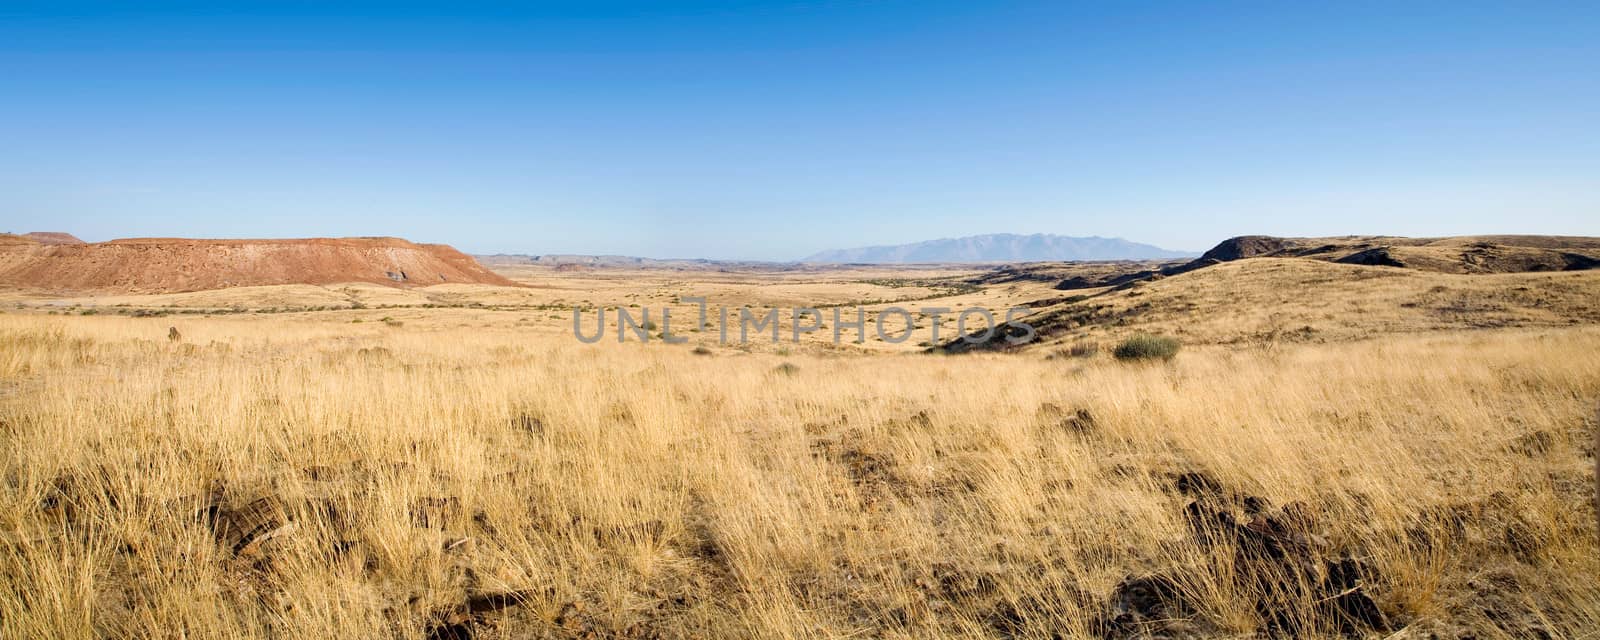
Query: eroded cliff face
point(167, 265)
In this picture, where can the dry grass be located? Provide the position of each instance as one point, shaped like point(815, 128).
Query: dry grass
point(610, 287)
point(1269, 300)
point(281, 477)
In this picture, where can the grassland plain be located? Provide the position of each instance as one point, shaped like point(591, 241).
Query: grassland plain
point(296, 475)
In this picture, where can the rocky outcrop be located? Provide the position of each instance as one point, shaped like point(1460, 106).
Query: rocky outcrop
point(1247, 247)
point(1379, 257)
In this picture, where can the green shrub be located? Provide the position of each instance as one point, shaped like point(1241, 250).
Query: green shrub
point(1147, 347)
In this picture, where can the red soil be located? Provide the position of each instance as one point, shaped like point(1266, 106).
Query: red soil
point(166, 265)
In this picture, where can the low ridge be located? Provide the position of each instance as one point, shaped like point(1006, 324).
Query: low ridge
point(1459, 255)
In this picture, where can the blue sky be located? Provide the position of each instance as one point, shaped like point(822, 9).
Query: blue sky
point(774, 130)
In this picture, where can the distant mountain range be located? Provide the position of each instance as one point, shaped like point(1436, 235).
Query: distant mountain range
point(1001, 247)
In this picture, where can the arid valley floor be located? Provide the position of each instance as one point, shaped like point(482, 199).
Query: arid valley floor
point(1342, 447)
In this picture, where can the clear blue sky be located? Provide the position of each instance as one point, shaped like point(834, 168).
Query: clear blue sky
point(773, 130)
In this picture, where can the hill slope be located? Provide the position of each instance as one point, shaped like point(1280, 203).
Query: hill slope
point(1460, 254)
point(1000, 247)
point(1268, 300)
point(166, 265)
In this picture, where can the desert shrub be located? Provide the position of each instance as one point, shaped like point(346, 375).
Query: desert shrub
point(1147, 347)
point(787, 369)
point(1084, 349)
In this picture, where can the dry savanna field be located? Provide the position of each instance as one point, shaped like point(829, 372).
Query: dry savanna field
point(1336, 450)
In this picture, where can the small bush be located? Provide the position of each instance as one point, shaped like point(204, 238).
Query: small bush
point(1084, 349)
point(787, 369)
point(1147, 347)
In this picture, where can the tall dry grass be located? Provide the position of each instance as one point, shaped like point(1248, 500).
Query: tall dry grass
point(267, 479)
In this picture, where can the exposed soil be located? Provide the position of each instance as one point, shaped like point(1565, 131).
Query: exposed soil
point(168, 265)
